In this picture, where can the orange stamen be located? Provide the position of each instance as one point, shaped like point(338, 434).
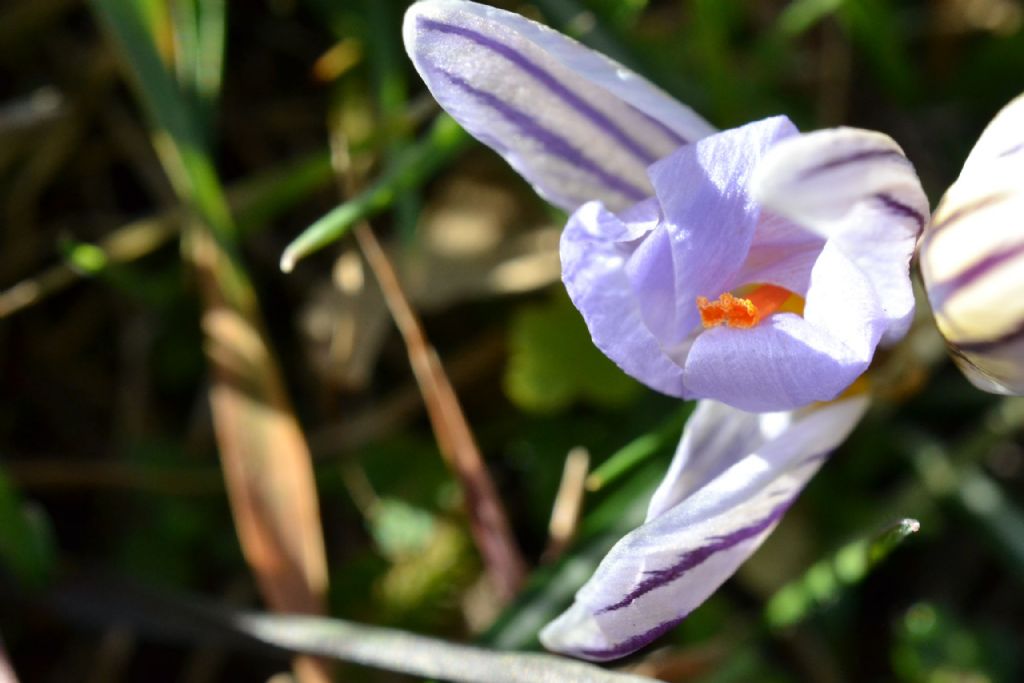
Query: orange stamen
point(743, 313)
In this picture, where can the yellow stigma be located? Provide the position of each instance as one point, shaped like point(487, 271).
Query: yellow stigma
point(748, 311)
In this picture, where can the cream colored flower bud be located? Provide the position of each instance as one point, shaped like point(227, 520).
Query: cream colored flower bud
point(972, 258)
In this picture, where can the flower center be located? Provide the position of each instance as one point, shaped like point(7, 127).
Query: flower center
point(745, 312)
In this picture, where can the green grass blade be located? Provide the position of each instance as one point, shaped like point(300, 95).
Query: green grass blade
point(441, 145)
point(824, 581)
point(179, 139)
point(638, 450)
point(200, 29)
point(387, 59)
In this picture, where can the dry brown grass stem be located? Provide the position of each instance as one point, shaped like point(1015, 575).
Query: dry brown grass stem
point(488, 521)
point(489, 524)
point(266, 461)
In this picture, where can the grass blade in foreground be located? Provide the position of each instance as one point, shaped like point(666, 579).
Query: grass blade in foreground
point(182, 618)
point(265, 458)
point(418, 655)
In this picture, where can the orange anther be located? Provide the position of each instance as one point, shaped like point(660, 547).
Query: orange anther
point(742, 312)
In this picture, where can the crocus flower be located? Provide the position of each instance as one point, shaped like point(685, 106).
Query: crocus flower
point(756, 268)
point(685, 264)
point(972, 258)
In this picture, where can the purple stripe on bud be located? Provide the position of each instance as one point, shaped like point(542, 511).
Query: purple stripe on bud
point(1013, 150)
point(1011, 337)
point(692, 558)
point(940, 291)
point(548, 81)
point(898, 207)
point(963, 211)
point(553, 143)
point(631, 644)
point(660, 577)
point(864, 155)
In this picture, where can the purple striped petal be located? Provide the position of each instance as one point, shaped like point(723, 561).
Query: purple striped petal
point(815, 179)
point(972, 258)
point(748, 470)
point(857, 189)
point(575, 124)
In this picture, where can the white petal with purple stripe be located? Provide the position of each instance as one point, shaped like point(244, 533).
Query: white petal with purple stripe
point(856, 188)
point(575, 124)
point(815, 179)
point(733, 478)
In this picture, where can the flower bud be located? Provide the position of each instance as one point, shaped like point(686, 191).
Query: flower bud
point(972, 258)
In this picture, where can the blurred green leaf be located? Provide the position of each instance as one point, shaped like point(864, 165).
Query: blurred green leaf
point(933, 646)
point(881, 546)
point(714, 24)
point(400, 529)
point(553, 362)
point(150, 286)
point(420, 587)
point(263, 197)
point(875, 27)
point(387, 59)
point(950, 474)
point(743, 666)
point(973, 491)
point(620, 13)
point(823, 582)
point(87, 259)
point(801, 15)
point(26, 543)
